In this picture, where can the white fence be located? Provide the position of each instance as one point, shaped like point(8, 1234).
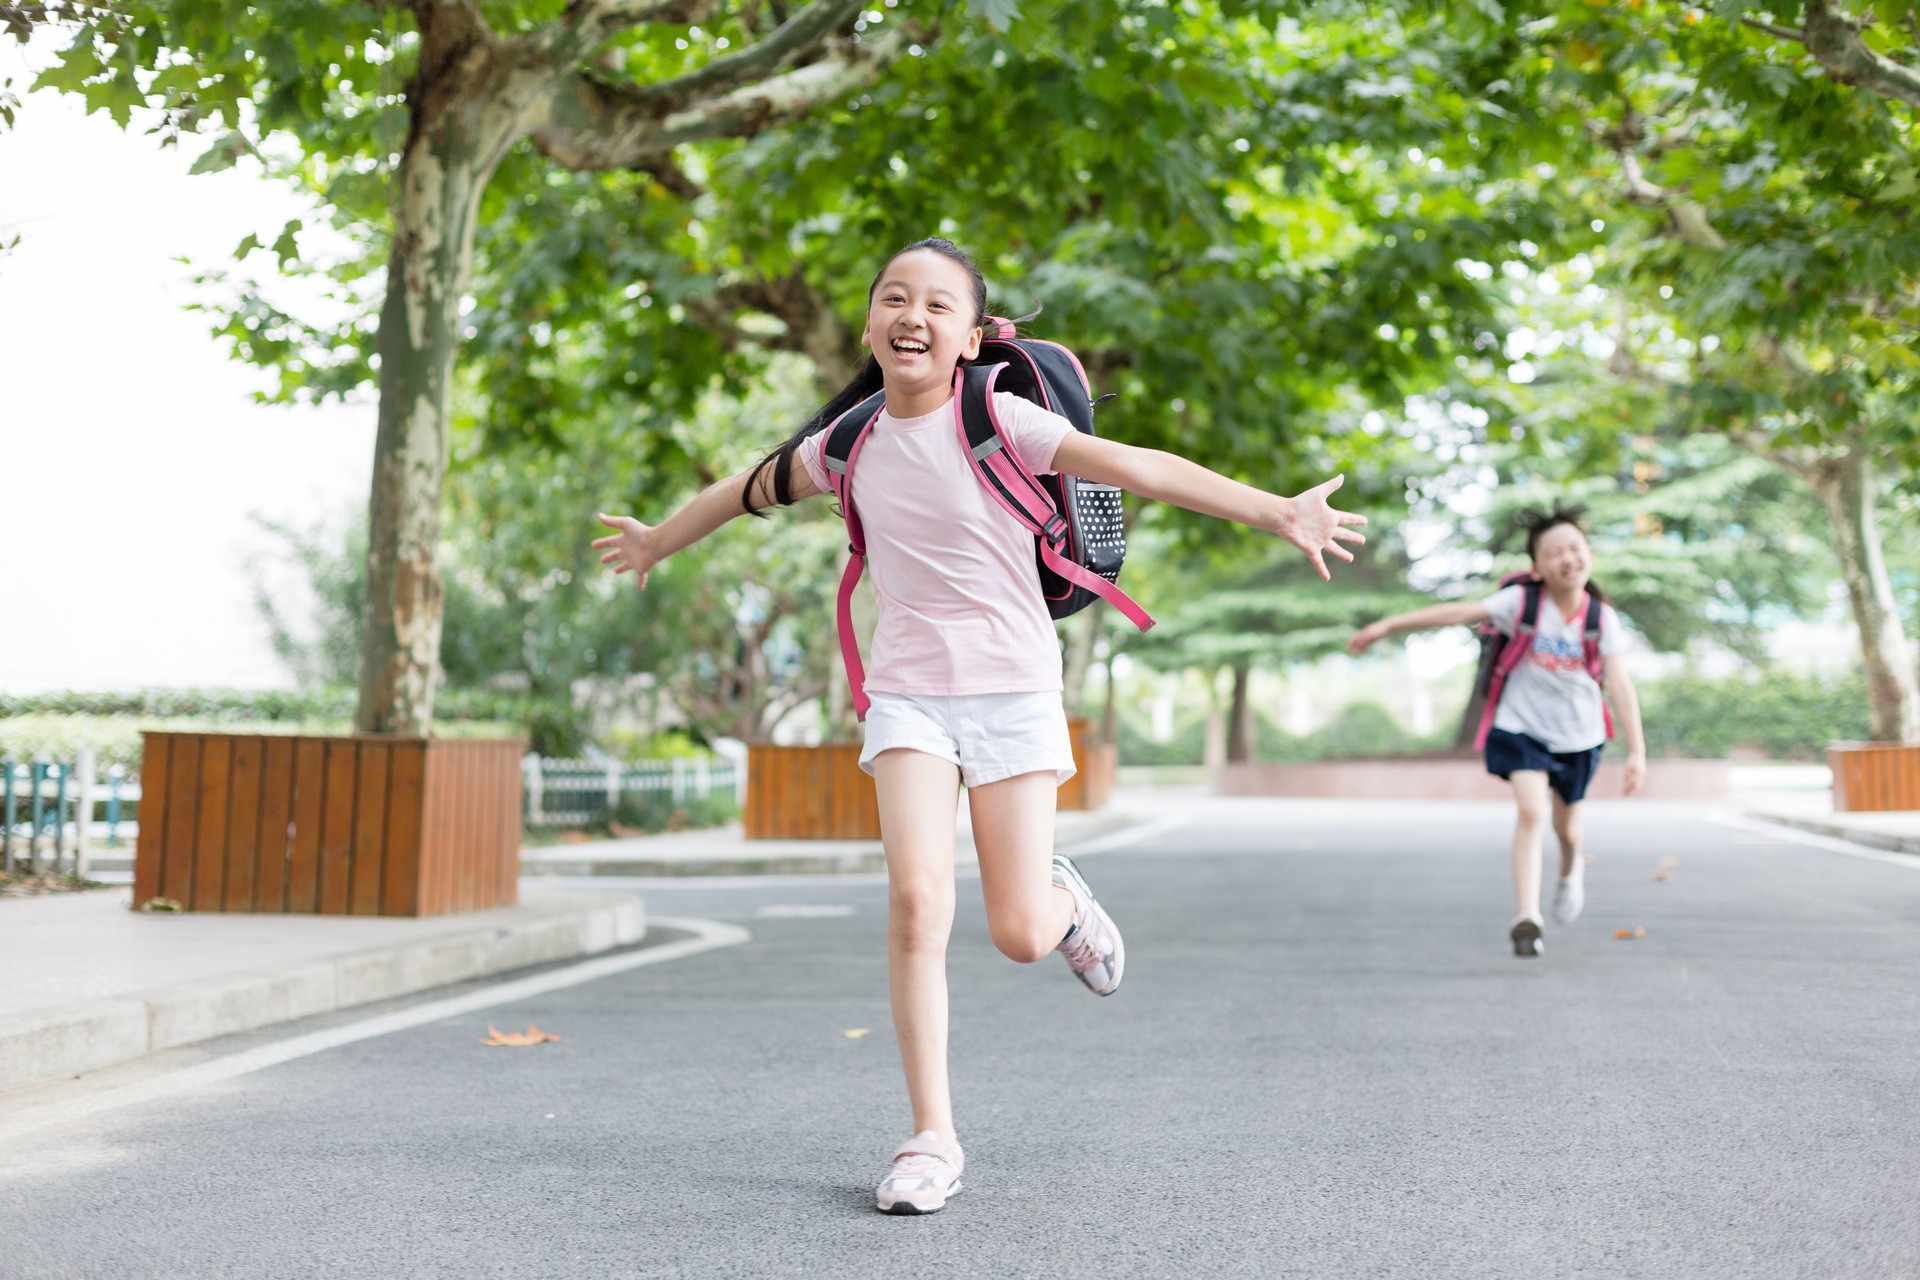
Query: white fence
point(578, 793)
point(55, 814)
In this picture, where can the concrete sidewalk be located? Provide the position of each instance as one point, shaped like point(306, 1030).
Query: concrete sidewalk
point(1806, 803)
point(91, 983)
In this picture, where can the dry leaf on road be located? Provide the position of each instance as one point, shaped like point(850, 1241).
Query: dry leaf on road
point(1628, 935)
point(519, 1039)
point(854, 1034)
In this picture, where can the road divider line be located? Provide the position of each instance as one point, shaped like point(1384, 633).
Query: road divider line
point(709, 935)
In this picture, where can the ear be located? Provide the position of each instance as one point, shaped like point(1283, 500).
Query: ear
point(866, 326)
point(972, 349)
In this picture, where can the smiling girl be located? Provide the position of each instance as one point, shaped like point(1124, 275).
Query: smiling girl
point(965, 674)
point(1550, 718)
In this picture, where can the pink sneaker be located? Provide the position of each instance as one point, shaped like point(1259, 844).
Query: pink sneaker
point(1092, 946)
point(925, 1172)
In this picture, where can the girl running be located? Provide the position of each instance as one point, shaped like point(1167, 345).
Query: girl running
point(965, 672)
point(1550, 721)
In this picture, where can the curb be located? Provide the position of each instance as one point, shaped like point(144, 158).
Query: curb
point(42, 1045)
point(1893, 841)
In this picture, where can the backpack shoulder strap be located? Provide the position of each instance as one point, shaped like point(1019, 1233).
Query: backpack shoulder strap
point(1511, 655)
point(1002, 472)
point(845, 435)
point(1590, 639)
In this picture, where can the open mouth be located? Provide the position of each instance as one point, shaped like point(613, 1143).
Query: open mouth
point(909, 347)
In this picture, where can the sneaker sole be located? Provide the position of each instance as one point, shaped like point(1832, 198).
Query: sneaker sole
point(908, 1209)
point(1527, 942)
point(1120, 944)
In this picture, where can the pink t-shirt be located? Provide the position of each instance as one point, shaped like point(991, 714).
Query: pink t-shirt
point(960, 605)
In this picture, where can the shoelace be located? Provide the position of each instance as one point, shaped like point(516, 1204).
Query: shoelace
point(1082, 955)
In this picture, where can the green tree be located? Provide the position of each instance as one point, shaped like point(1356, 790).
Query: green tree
point(414, 107)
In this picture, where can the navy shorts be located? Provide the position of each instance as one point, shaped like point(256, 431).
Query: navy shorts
point(1568, 772)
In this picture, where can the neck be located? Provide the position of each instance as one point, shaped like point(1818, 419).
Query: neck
point(1567, 599)
point(903, 402)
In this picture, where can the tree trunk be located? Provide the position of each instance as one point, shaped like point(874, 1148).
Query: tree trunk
point(1845, 483)
point(1240, 719)
point(460, 125)
point(1082, 639)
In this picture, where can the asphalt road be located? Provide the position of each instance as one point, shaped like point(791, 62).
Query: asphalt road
point(1324, 1062)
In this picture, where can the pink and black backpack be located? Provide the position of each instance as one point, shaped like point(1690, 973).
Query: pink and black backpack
point(1079, 540)
point(1501, 655)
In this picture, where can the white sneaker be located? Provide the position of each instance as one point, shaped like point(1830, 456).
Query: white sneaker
point(925, 1173)
point(1570, 897)
point(1092, 946)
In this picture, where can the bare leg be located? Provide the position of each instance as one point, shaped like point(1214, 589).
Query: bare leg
point(1566, 828)
point(1530, 793)
point(1027, 913)
point(918, 795)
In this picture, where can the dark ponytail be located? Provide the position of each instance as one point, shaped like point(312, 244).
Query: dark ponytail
point(1535, 523)
point(864, 383)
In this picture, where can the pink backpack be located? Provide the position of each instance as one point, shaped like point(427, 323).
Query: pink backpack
point(1501, 655)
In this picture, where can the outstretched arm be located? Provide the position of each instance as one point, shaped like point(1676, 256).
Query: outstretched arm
point(1467, 612)
point(1307, 521)
point(635, 548)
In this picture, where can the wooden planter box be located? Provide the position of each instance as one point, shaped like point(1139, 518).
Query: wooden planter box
point(1094, 763)
point(1874, 776)
point(330, 826)
point(809, 793)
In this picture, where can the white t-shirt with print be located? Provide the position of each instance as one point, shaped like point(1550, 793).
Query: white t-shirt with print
point(1550, 696)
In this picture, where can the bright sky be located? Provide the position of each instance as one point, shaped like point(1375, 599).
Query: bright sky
point(130, 452)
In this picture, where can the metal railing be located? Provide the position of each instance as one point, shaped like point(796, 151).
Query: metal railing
point(580, 793)
point(54, 814)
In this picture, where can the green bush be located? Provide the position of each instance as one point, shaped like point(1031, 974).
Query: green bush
point(1787, 716)
point(654, 811)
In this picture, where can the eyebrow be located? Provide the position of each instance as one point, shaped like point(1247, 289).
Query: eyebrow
point(901, 284)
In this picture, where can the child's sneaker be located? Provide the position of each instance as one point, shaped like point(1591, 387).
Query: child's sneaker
point(1526, 937)
point(926, 1171)
point(1570, 896)
point(1092, 946)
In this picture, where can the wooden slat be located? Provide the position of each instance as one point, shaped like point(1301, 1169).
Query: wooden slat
point(276, 818)
point(243, 825)
point(336, 827)
point(183, 817)
point(510, 830)
point(309, 806)
point(210, 834)
point(150, 847)
point(406, 792)
point(434, 838)
point(369, 828)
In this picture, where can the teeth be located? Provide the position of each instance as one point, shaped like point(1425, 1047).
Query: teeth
point(908, 344)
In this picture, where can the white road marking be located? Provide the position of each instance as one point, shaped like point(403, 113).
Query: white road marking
point(709, 935)
point(1813, 839)
point(1130, 835)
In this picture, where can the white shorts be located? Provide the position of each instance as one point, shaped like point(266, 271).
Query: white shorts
point(991, 736)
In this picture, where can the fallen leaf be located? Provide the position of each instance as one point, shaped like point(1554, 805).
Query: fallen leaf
point(854, 1034)
point(1667, 863)
point(519, 1039)
point(1628, 935)
point(1662, 876)
point(161, 904)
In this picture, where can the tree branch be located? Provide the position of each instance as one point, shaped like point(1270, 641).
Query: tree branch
point(793, 39)
point(1775, 30)
point(1833, 38)
point(588, 124)
point(1688, 218)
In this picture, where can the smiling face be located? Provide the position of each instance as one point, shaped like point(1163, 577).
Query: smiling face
point(1562, 559)
point(922, 320)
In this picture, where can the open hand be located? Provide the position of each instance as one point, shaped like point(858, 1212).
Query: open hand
point(1366, 637)
point(1317, 529)
point(1636, 773)
point(629, 549)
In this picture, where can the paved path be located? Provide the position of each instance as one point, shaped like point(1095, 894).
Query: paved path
point(1324, 1062)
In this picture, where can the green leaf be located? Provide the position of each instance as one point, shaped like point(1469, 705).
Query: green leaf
point(998, 13)
point(223, 154)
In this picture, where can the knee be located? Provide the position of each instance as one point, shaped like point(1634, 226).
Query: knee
point(1531, 817)
point(1568, 829)
point(1023, 941)
point(921, 915)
